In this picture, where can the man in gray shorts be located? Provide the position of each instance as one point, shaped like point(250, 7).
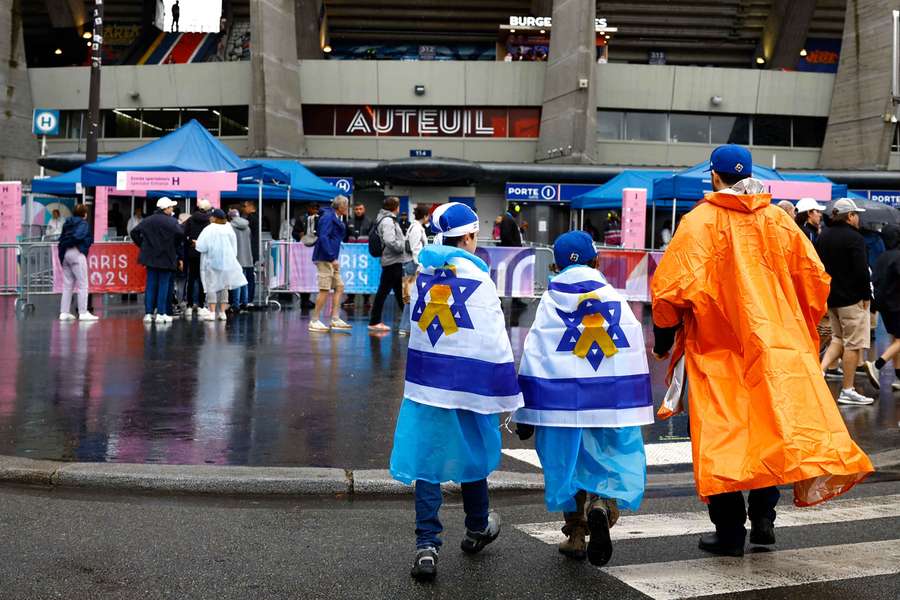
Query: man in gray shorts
point(843, 252)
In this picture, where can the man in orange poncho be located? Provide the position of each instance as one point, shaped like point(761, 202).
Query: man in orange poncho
point(743, 288)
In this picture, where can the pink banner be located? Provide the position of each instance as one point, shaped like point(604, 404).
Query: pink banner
point(175, 180)
point(629, 272)
point(10, 211)
point(634, 217)
point(101, 216)
point(794, 190)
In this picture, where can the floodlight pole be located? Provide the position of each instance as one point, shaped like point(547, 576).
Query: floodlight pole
point(94, 93)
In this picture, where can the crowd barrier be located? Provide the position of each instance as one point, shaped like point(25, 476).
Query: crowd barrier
point(291, 269)
point(9, 269)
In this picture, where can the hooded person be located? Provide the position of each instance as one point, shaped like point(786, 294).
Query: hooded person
point(586, 386)
point(741, 289)
point(240, 297)
point(460, 374)
point(219, 266)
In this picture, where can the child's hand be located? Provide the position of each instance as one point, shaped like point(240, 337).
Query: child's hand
point(524, 431)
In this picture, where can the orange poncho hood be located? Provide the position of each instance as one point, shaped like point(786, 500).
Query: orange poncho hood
point(749, 289)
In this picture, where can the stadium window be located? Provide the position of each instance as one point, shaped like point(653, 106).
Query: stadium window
point(769, 130)
point(207, 117)
point(71, 124)
point(729, 129)
point(809, 132)
point(235, 120)
point(646, 126)
point(122, 123)
point(610, 125)
point(160, 121)
point(689, 128)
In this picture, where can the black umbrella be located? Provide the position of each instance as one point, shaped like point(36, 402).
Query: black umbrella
point(876, 214)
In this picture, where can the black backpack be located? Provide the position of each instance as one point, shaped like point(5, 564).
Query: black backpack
point(376, 246)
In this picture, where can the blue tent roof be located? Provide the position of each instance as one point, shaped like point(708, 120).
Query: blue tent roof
point(609, 195)
point(693, 183)
point(61, 185)
point(188, 148)
point(305, 185)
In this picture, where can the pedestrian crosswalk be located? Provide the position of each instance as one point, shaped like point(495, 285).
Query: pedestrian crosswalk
point(772, 569)
point(671, 453)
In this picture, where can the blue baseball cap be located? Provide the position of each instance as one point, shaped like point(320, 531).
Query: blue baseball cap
point(573, 248)
point(732, 159)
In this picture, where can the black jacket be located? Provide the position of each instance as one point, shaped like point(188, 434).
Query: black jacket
point(360, 228)
point(811, 232)
point(509, 232)
point(843, 252)
point(887, 272)
point(192, 228)
point(301, 224)
point(159, 237)
point(76, 233)
point(253, 218)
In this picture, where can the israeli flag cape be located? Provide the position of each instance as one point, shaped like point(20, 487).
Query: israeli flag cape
point(584, 362)
point(459, 352)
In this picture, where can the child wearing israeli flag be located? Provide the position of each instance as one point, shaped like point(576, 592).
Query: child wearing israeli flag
point(586, 385)
point(460, 374)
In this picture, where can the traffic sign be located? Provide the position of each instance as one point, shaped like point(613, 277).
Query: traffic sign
point(45, 122)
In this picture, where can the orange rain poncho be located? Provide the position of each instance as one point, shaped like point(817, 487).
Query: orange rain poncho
point(750, 289)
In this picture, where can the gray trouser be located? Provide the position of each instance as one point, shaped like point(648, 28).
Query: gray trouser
point(75, 277)
point(217, 297)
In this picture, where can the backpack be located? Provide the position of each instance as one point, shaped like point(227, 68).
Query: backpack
point(376, 246)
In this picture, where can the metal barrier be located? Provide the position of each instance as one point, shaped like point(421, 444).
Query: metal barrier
point(9, 269)
point(36, 272)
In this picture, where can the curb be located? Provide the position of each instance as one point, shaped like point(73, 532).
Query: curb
point(281, 481)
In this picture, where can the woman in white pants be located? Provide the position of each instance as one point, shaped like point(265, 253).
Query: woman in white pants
point(74, 243)
point(220, 270)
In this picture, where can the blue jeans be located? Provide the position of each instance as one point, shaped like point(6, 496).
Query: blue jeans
point(156, 294)
point(239, 296)
point(428, 503)
point(250, 274)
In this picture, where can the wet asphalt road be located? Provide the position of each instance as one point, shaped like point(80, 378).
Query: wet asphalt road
point(81, 545)
point(258, 390)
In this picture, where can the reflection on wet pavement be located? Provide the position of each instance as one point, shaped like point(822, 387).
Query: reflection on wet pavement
point(259, 390)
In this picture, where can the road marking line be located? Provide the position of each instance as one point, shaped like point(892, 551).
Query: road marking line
point(690, 523)
point(711, 576)
point(673, 453)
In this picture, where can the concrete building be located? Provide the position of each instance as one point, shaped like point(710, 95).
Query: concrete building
point(806, 84)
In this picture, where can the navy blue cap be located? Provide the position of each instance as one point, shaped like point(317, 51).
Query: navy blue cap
point(731, 159)
point(218, 213)
point(573, 248)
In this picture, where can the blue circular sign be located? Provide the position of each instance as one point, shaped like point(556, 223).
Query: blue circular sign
point(343, 185)
point(548, 192)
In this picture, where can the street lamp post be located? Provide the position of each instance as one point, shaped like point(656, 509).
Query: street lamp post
point(94, 94)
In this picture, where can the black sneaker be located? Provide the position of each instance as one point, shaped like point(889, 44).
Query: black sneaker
point(425, 566)
point(599, 548)
point(713, 544)
point(475, 541)
point(762, 532)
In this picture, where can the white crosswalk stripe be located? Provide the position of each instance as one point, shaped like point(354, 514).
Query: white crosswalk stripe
point(711, 576)
point(774, 569)
point(672, 453)
point(674, 524)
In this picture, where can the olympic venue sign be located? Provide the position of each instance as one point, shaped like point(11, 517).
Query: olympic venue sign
point(401, 121)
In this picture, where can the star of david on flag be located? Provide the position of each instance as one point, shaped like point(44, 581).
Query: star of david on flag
point(585, 335)
point(437, 316)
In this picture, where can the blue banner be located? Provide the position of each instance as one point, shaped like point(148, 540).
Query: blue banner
point(546, 192)
point(889, 197)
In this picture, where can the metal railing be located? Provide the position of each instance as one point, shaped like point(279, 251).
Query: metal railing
point(36, 271)
point(9, 269)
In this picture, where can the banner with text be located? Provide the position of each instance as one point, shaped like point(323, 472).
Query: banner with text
point(113, 268)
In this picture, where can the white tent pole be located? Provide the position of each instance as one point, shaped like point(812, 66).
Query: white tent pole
point(674, 204)
point(653, 228)
point(259, 221)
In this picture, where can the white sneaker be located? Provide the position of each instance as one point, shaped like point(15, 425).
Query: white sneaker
point(207, 316)
point(223, 316)
point(164, 318)
point(148, 318)
point(204, 312)
point(88, 317)
point(318, 326)
point(872, 372)
point(851, 396)
point(340, 324)
point(66, 317)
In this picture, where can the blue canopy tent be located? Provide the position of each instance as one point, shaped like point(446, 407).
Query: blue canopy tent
point(691, 184)
point(61, 185)
point(609, 195)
